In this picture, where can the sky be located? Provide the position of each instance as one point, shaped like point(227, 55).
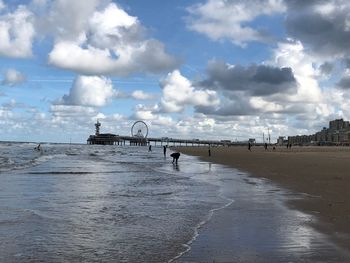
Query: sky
point(208, 69)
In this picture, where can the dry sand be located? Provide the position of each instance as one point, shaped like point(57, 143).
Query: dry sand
point(323, 173)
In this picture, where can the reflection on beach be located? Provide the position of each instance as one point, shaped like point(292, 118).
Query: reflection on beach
point(176, 167)
point(259, 227)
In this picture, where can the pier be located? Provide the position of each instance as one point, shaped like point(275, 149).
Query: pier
point(112, 139)
point(139, 132)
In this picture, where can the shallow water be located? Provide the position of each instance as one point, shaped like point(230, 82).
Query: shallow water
point(124, 204)
point(99, 203)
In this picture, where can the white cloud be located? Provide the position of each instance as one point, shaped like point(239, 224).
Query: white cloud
point(117, 117)
point(61, 123)
point(309, 101)
point(12, 104)
point(267, 106)
point(144, 115)
point(294, 55)
point(64, 19)
point(158, 122)
point(81, 119)
point(110, 26)
point(2, 5)
point(91, 37)
point(111, 42)
point(13, 77)
point(17, 33)
point(70, 55)
point(90, 91)
point(72, 110)
point(71, 117)
point(311, 106)
point(220, 19)
point(178, 93)
point(141, 95)
point(145, 112)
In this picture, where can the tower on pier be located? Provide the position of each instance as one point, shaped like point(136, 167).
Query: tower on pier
point(97, 126)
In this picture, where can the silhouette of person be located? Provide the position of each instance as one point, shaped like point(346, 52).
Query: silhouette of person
point(164, 150)
point(249, 146)
point(209, 152)
point(38, 148)
point(150, 148)
point(265, 146)
point(175, 156)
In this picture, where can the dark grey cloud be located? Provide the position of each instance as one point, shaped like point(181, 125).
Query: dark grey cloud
point(297, 4)
point(344, 83)
point(323, 33)
point(255, 80)
point(238, 84)
point(236, 105)
point(326, 68)
point(251, 90)
point(347, 62)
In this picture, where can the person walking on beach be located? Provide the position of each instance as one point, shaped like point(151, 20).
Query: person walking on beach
point(209, 152)
point(150, 148)
point(249, 146)
point(265, 146)
point(175, 156)
point(164, 150)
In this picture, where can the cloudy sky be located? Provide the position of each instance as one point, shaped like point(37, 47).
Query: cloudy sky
point(214, 69)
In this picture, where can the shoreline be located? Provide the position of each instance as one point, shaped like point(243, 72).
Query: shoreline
point(320, 174)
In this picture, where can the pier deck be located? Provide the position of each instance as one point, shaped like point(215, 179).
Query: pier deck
point(111, 139)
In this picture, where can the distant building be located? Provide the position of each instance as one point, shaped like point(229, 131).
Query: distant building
point(338, 124)
point(338, 132)
point(281, 141)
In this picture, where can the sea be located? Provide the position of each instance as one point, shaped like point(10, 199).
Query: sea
point(95, 203)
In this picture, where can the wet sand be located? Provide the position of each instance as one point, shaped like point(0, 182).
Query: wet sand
point(320, 174)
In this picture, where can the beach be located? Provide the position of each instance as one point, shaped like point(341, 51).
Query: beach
point(319, 174)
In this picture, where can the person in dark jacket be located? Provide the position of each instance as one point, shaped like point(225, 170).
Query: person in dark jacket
point(175, 156)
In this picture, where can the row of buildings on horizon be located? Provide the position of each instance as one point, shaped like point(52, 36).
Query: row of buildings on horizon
point(338, 133)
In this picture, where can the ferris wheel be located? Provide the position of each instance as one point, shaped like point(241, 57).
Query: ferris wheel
point(139, 129)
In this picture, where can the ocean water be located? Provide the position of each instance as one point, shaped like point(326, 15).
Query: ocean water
point(87, 203)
